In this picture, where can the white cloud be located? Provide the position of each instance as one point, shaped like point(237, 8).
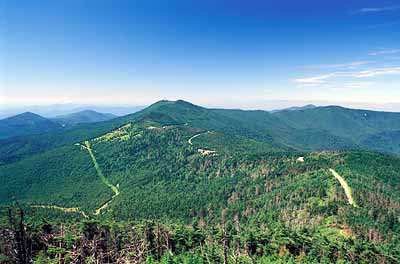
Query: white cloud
point(377, 72)
point(322, 79)
point(377, 9)
point(384, 52)
point(339, 86)
point(315, 80)
point(349, 65)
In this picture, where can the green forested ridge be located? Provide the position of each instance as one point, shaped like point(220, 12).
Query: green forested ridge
point(26, 124)
point(251, 201)
point(85, 116)
point(356, 125)
point(321, 128)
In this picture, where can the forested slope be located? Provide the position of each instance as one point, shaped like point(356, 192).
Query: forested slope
point(322, 128)
point(199, 186)
point(26, 124)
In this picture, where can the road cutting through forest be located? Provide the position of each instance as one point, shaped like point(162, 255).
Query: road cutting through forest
point(114, 188)
point(202, 151)
point(341, 180)
point(195, 136)
point(64, 209)
point(345, 186)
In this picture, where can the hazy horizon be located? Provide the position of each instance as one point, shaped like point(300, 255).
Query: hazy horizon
point(69, 107)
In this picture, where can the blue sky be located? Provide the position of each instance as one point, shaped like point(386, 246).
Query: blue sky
point(217, 53)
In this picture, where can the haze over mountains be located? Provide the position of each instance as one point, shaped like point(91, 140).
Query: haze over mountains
point(29, 123)
point(295, 108)
point(26, 124)
point(298, 128)
point(85, 116)
point(51, 111)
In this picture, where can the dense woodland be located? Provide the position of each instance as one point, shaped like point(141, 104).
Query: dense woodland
point(250, 199)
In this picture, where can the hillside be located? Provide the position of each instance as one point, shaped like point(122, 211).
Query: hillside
point(349, 124)
point(85, 116)
point(26, 124)
point(193, 173)
point(322, 128)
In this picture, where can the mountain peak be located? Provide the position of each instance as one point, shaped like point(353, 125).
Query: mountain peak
point(296, 108)
point(26, 123)
point(182, 102)
point(26, 115)
point(84, 116)
point(167, 103)
point(85, 111)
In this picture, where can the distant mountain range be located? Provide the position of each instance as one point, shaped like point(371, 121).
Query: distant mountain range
point(315, 128)
point(29, 123)
point(85, 116)
point(51, 111)
point(26, 124)
point(295, 108)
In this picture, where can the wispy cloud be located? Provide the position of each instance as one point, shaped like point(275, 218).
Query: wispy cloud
point(376, 9)
point(349, 65)
point(334, 85)
point(384, 52)
point(377, 72)
point(322, 79)
point(316, 79)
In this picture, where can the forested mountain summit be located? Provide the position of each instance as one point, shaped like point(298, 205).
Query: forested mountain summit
point(313, 128)
point(178, 182)
point(84, 116)
point(26, 124)
point(320, 128)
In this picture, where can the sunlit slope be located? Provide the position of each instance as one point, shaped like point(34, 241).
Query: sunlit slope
point(323, 128)
point(359, 126)
point(160, 175)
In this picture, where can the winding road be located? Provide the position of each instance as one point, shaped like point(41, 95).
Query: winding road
point(195, 136)
point(345, 186)
point(202, 151)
